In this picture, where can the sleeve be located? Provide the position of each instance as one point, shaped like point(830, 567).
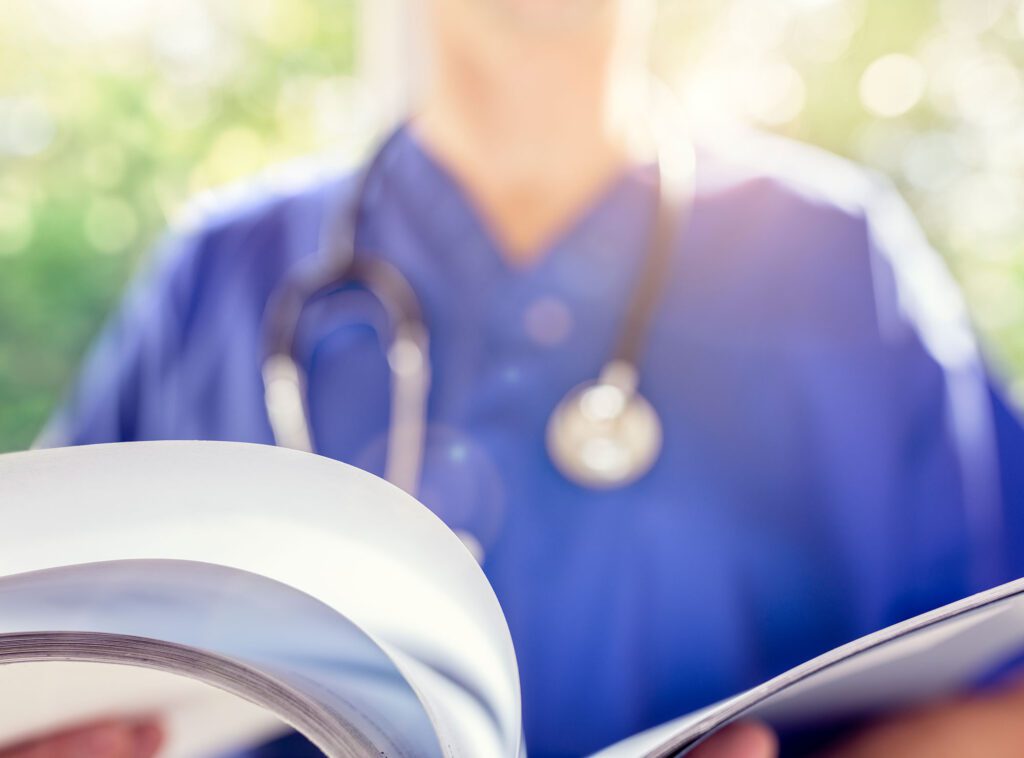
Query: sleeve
point(915, 292)
point(126, 388)
point(1010, 441)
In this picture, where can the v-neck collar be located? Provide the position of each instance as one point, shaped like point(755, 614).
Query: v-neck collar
point(612, 229)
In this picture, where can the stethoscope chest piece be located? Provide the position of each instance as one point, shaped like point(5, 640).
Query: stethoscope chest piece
point(604, 434)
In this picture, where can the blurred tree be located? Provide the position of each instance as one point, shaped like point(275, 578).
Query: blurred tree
point(113, 113)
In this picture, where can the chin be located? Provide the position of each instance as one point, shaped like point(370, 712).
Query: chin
point(549, 14)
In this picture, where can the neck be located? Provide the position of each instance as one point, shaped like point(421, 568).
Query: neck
point(532, 130)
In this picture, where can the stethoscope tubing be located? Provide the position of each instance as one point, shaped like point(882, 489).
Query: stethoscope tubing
point(408, 348)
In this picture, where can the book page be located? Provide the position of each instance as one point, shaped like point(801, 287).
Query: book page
point(938, 660)
point(340, 535)
point(938, 653)
point(244, 633)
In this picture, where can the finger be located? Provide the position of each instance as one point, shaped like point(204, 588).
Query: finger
point(990, 724)
point(111, 740)
point(114, 739)
point(149, 738)
point(744, 739)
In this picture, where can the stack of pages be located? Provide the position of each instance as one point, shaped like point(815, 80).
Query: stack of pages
point(239, 590)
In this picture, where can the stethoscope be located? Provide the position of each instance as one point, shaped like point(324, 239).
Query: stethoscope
point(602, 435)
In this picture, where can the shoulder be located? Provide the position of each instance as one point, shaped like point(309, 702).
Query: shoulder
point(276, 214)
point(237, 242)
point(743, 160)
point(228, 250)
point(822, 244)
point(812, 203)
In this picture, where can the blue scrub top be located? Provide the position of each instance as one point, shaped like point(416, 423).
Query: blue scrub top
point(835, 459)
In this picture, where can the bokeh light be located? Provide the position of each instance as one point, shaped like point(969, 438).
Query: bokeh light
point(892, 85)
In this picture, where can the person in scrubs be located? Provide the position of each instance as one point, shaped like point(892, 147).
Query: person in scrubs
point(835, 455)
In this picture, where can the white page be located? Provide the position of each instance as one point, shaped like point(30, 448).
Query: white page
point(357, 544)
point(319, 669)
point(936, 661)
point(937, 653)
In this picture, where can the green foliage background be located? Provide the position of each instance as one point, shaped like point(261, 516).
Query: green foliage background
point(103, 135)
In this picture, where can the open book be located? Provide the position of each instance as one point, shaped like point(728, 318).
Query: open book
point(240, 589)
